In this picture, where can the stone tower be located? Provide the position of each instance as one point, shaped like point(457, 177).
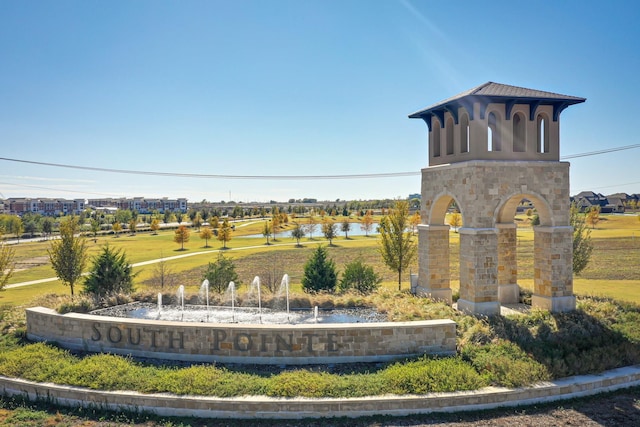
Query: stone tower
point(490, 148)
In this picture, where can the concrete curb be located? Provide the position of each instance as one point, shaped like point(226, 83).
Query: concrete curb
point(262, 407)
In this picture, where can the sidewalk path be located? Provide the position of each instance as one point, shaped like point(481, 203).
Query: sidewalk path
point(171, 258)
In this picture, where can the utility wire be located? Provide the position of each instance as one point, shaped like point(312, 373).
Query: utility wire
point(277, 177)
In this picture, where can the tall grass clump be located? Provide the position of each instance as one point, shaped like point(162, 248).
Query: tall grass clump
point(35, 362)
point(106, 372)
point(206, 380)
point(427, 375)
point(505, 364)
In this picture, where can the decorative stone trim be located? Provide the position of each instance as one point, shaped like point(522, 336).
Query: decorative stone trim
point(262, 407)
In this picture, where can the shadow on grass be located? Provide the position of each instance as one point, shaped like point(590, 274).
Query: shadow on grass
point(577, 342)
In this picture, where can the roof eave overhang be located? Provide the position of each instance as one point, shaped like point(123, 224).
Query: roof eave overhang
point(559, 104)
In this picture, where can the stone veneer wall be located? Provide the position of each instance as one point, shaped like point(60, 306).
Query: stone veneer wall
point(261, 407)
point(238, 343)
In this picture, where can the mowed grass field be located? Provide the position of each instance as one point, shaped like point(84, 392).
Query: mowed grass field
point(614, 270)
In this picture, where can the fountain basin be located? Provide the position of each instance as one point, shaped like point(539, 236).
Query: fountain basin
point(278, 344)
point(251, 315)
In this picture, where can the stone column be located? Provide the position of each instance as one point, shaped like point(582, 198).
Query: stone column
point(433, 262)
point(479, 271)
point(508, 291)
point(553, 269)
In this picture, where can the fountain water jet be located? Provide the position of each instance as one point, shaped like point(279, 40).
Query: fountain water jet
point(284, 289)
point(231, 292)
point(253, 294)
point(159, 303)
point(181, 298)
point(204, 294)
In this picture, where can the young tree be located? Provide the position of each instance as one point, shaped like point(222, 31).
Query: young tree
point(95, 227)
point(47, 226)
point(275, 224)
point(267, 231)
point(397, 247)
point(359, 277)
point(593, 216)
point(206, 233)
point(214, 222)
point(162, 274)
point(197, 221)
point(582, 246)
point(110, 274)
point(17, 227)
point(367, 223)
point(155, 225)
point(345, 227)
point(224, 233)
point(220, 273)
point(297, 233)
point(455, 221)
point(167, 216)
point(415, 221)
point(312, 223)
point(123, 216)
point(68, 255)
point(181, 236)
point(133, 224)
point(117, 227)
point(7, 255)
point(329, 230)
point(319, 273)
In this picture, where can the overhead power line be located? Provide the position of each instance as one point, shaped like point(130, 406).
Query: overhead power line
point(276, 177)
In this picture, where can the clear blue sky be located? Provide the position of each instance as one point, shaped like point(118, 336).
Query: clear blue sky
point(294, 88)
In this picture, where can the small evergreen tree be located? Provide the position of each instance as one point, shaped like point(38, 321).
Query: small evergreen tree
point(110, 274)
point(319, 273)
point(220, 273)
point(359, 277)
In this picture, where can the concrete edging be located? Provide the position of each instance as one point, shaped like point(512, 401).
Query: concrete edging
point(254, 407)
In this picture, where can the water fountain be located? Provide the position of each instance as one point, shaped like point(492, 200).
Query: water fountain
point(241, 334)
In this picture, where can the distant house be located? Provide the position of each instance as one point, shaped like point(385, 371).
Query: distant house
point(613, 203)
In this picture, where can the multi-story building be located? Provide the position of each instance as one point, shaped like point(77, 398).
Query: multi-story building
point(56, 207)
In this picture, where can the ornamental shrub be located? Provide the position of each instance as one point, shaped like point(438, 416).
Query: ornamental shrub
point(359, 277)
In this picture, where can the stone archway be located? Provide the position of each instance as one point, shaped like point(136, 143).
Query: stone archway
point(495, 151)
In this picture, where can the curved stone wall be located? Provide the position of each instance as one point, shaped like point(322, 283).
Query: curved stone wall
point(243, 343)
point(261, 407)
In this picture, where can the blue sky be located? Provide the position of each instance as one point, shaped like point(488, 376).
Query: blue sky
point(296, 88)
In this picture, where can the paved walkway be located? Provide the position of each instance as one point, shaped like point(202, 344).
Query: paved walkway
point(155, 261)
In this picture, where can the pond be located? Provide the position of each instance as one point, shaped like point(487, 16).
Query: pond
point(356, 230)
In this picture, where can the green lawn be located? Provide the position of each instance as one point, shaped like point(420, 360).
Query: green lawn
point(612, 272)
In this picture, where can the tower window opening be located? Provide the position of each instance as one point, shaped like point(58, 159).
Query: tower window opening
point(435, 136)
point(494, 143)
point(464, 134)
point(542, 140)
point(519, 143)
point(449, 134)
